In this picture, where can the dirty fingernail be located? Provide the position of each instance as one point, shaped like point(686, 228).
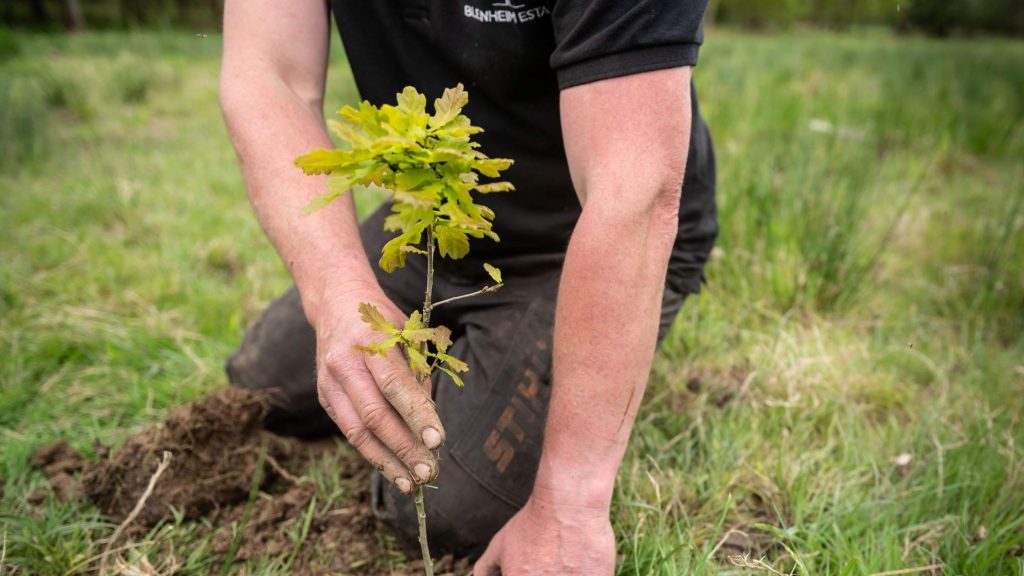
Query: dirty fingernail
point(431, 437)
point(422, 471)
point(403, 484)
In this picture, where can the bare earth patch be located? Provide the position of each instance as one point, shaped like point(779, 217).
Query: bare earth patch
point(216, 443)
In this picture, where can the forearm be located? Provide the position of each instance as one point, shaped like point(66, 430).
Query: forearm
point(605, 335)
point(627, 160)
point(270, 126)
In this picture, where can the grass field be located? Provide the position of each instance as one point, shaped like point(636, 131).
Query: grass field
point(845, 397)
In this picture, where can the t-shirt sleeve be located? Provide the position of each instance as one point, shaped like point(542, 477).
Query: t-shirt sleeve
point(599, 39)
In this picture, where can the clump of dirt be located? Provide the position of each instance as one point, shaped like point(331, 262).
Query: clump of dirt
point(216, 443)
point(61, 463)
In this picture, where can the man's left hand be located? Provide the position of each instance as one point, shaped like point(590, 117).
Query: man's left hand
point(550, 539)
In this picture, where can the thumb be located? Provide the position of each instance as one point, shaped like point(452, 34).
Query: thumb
point(489, 563)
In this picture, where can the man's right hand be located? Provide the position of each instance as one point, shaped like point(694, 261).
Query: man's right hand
point(377, 403)
point(272, 89)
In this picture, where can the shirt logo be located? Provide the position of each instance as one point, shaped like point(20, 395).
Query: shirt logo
point(505, 12)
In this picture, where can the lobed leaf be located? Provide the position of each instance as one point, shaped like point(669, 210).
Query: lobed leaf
point(451, 242)
point(448, 107)
point(380, 348)
point(369, 314)
point(455, 377)
point(493, 272)
point(392, 256)
point(320, 161)
point(442, 338)
point(491, 167)
point(418, 362)
point(452, 362)
point(494, 187)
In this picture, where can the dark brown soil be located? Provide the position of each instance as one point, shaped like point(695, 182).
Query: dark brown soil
point(215, 445)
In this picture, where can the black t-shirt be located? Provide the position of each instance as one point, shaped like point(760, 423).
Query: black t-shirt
point(513, 56)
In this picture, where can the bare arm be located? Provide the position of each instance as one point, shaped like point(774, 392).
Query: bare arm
point(626, 140)
point(272, 85)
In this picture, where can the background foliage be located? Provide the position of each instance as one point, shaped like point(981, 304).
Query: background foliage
point(937, 17)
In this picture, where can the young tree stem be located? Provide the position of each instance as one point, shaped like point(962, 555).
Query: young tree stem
point(421, 510)
point(427, 306)
point(421, 517)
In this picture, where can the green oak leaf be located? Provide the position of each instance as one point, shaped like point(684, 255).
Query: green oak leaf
point(418, 362)
point(380, 348)
point(414, 332)
point(453, 362)
point(455, 377)
point(320, 161)
point(369, 314)
point(448, 107)
point(392, 256)
point(442, 338)
point(494, 187)
point(492, 167)
point(493, 272)
point(451, 243)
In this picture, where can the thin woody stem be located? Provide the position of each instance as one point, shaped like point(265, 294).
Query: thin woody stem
point(492, 288)
point(421, 517)
point(427, 306)
point(421, 510)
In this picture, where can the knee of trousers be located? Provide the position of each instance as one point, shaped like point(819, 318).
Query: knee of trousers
point(277, 357)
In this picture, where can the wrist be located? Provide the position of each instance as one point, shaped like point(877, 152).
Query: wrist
point(568, 487)
point(331, 301)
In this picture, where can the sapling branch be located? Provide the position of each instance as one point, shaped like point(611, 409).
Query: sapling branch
point(484, 290)
point(431, 169)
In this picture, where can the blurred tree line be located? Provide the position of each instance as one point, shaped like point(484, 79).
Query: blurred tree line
point(936, 17)
point(79, 14)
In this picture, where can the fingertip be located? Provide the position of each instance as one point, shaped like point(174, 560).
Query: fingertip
point(432, 438)
point(404, 485)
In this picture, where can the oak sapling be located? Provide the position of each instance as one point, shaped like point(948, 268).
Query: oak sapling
point(430, 167)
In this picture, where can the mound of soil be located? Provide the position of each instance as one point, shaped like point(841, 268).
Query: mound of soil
point(215, 445)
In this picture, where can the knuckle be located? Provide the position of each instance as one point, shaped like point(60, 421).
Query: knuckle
point(406, 451)
point(357, 436)
point(375, 415)
point(338, 361)
point(392, 385)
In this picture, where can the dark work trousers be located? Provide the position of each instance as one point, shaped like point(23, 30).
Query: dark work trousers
point(494, 425)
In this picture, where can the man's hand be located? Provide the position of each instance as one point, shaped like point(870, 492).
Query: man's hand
point(545, 538)
point(376, 402)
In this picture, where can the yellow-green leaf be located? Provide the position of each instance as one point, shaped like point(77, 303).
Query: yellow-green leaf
point(493, 272)
point(442, 338)
point(492, 167)
point(451, 243)
point(392, 256)
point(320, 161)
point(347, 133)
point(494, 187)
point(411, 101)
point(319, 203)
point(379, 348)
point(453, 362)
point(455, 377)
point(369, 313)
point(417, 362)
point(449, 106)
